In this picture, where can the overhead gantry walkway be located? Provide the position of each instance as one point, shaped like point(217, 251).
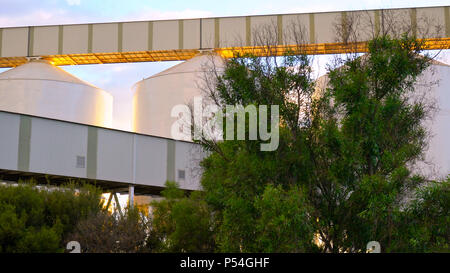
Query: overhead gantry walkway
point(169, 40)
point(56, 151)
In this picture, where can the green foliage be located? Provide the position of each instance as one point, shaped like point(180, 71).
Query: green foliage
point(425, 226)
point(11, 228)
point(44, 240)
point(284, 224)
point(373, 94)
point(179, 223)
point(35, 219)
point(239, 179)
point(375, 132)
point(342, 171)
point(238, 190)
point(102, 232)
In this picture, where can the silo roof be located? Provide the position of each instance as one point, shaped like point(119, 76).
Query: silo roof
point(41, 70)
point(190, 66)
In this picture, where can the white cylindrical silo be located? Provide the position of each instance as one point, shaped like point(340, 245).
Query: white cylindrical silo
point(39, 88)
point(155, 97)
point(433, 86)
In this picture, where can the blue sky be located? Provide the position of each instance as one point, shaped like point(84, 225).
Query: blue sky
point(119, 78)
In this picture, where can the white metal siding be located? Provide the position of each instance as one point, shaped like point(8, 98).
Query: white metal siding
point(55, 146)
point(9, 140)
point(115, 156)
point(151, 160)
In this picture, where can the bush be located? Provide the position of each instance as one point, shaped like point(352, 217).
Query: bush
point(109, 233)
point(180, 223)
point(35, 219)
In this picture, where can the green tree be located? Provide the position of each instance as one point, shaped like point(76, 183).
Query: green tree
point(240, 180)
point(180, 223)
point(282, 225)
point(374, 132)
point(345, 153)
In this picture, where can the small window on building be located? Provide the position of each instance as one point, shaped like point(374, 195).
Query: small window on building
point(81, 162)
point(181, 174)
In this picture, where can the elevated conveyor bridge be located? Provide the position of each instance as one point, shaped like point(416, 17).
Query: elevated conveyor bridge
point(175, 40)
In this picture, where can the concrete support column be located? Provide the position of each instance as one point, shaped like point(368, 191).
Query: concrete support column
point(131, 196)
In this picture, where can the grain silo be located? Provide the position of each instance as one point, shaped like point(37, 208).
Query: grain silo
point(433, 86)
point(436, 162)
point(41, 89)
point(155, 96)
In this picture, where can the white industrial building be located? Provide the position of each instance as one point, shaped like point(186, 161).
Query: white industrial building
point(39, 88)
point(155, 96)
point(56, 126)
point(436, 163)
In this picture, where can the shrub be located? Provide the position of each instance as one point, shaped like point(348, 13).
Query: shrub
point(36, 218)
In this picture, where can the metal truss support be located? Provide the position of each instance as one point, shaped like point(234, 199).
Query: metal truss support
point(117, 204)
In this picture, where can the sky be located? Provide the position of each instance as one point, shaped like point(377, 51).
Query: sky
point(118, 79)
